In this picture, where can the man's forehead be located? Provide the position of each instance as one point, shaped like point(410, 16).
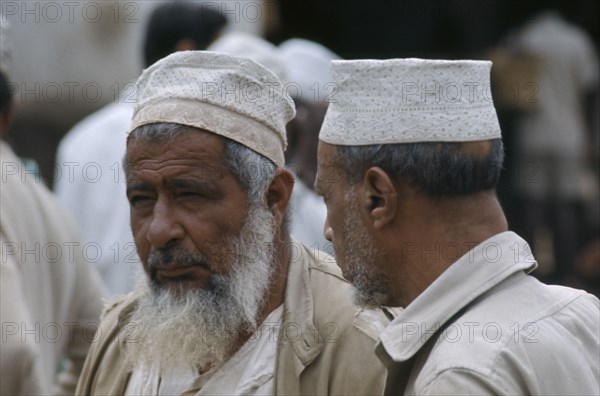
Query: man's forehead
point(194, 152)
point(326, 153)
point(328, 170)
point(187, 143)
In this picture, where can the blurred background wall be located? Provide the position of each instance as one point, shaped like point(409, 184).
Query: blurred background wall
point(70, 58)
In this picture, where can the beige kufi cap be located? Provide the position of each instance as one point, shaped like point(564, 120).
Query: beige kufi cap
point(410, 101)
point(252, 47)
point(227, 95)
point(308, 68)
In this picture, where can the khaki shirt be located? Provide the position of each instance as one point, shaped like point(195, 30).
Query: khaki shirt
point(325, 342)
point(51, 298)
point(486, 327)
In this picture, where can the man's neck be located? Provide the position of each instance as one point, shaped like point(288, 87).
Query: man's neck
point(281, 259)
point(438, 236)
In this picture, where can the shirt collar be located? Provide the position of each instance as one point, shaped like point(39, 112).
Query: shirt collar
point(476, 272)
point(298, 306)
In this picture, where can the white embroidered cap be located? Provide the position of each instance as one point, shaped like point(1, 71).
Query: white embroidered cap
point(409, 101)
point(252, 47)
point(308, 69)
point(224, 94)
point(5, 46)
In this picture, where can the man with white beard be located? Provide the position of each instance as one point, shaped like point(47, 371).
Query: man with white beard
point(415, 150)
point(228, 303)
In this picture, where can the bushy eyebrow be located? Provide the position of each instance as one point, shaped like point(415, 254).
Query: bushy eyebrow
point(201, 186)
point(140, 186)
point(191, 184)
point(174, 183)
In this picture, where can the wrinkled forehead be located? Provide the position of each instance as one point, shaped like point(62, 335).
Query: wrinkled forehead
point(184, 147)
point(326, 154)
point(172, 134)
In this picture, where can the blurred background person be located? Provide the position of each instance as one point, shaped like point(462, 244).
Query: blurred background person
point(555, 136)
point(312, 88)
point(252, 47)
point(51, 297)
point(99, 205)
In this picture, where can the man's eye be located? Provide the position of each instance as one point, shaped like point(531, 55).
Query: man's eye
point(136, 199)
point(191, 195)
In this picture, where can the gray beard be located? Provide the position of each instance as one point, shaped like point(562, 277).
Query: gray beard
point(369, 286)
point(201, 328)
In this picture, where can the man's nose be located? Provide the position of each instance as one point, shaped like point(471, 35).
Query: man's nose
point(165, 226)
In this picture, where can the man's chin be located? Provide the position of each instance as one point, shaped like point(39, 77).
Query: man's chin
point(204, 324)
point(367, 297)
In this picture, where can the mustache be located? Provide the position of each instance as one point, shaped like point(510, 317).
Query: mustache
point(175, 255)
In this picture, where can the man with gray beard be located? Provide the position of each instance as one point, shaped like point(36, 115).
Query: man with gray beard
point(409, 157)
point(228, 303)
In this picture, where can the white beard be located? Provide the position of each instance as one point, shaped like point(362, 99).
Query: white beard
point(201, 328)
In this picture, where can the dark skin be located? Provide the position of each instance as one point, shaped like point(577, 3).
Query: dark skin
point(180, 193)
point(395, 214)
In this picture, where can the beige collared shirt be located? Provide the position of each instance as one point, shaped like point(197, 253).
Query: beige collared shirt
point(50, 296)
point(486, 327)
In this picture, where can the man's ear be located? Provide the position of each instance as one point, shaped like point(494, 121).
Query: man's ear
point(379, 197)
point(279, 193)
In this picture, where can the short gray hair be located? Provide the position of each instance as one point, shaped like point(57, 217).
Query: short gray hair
point(435, 169)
